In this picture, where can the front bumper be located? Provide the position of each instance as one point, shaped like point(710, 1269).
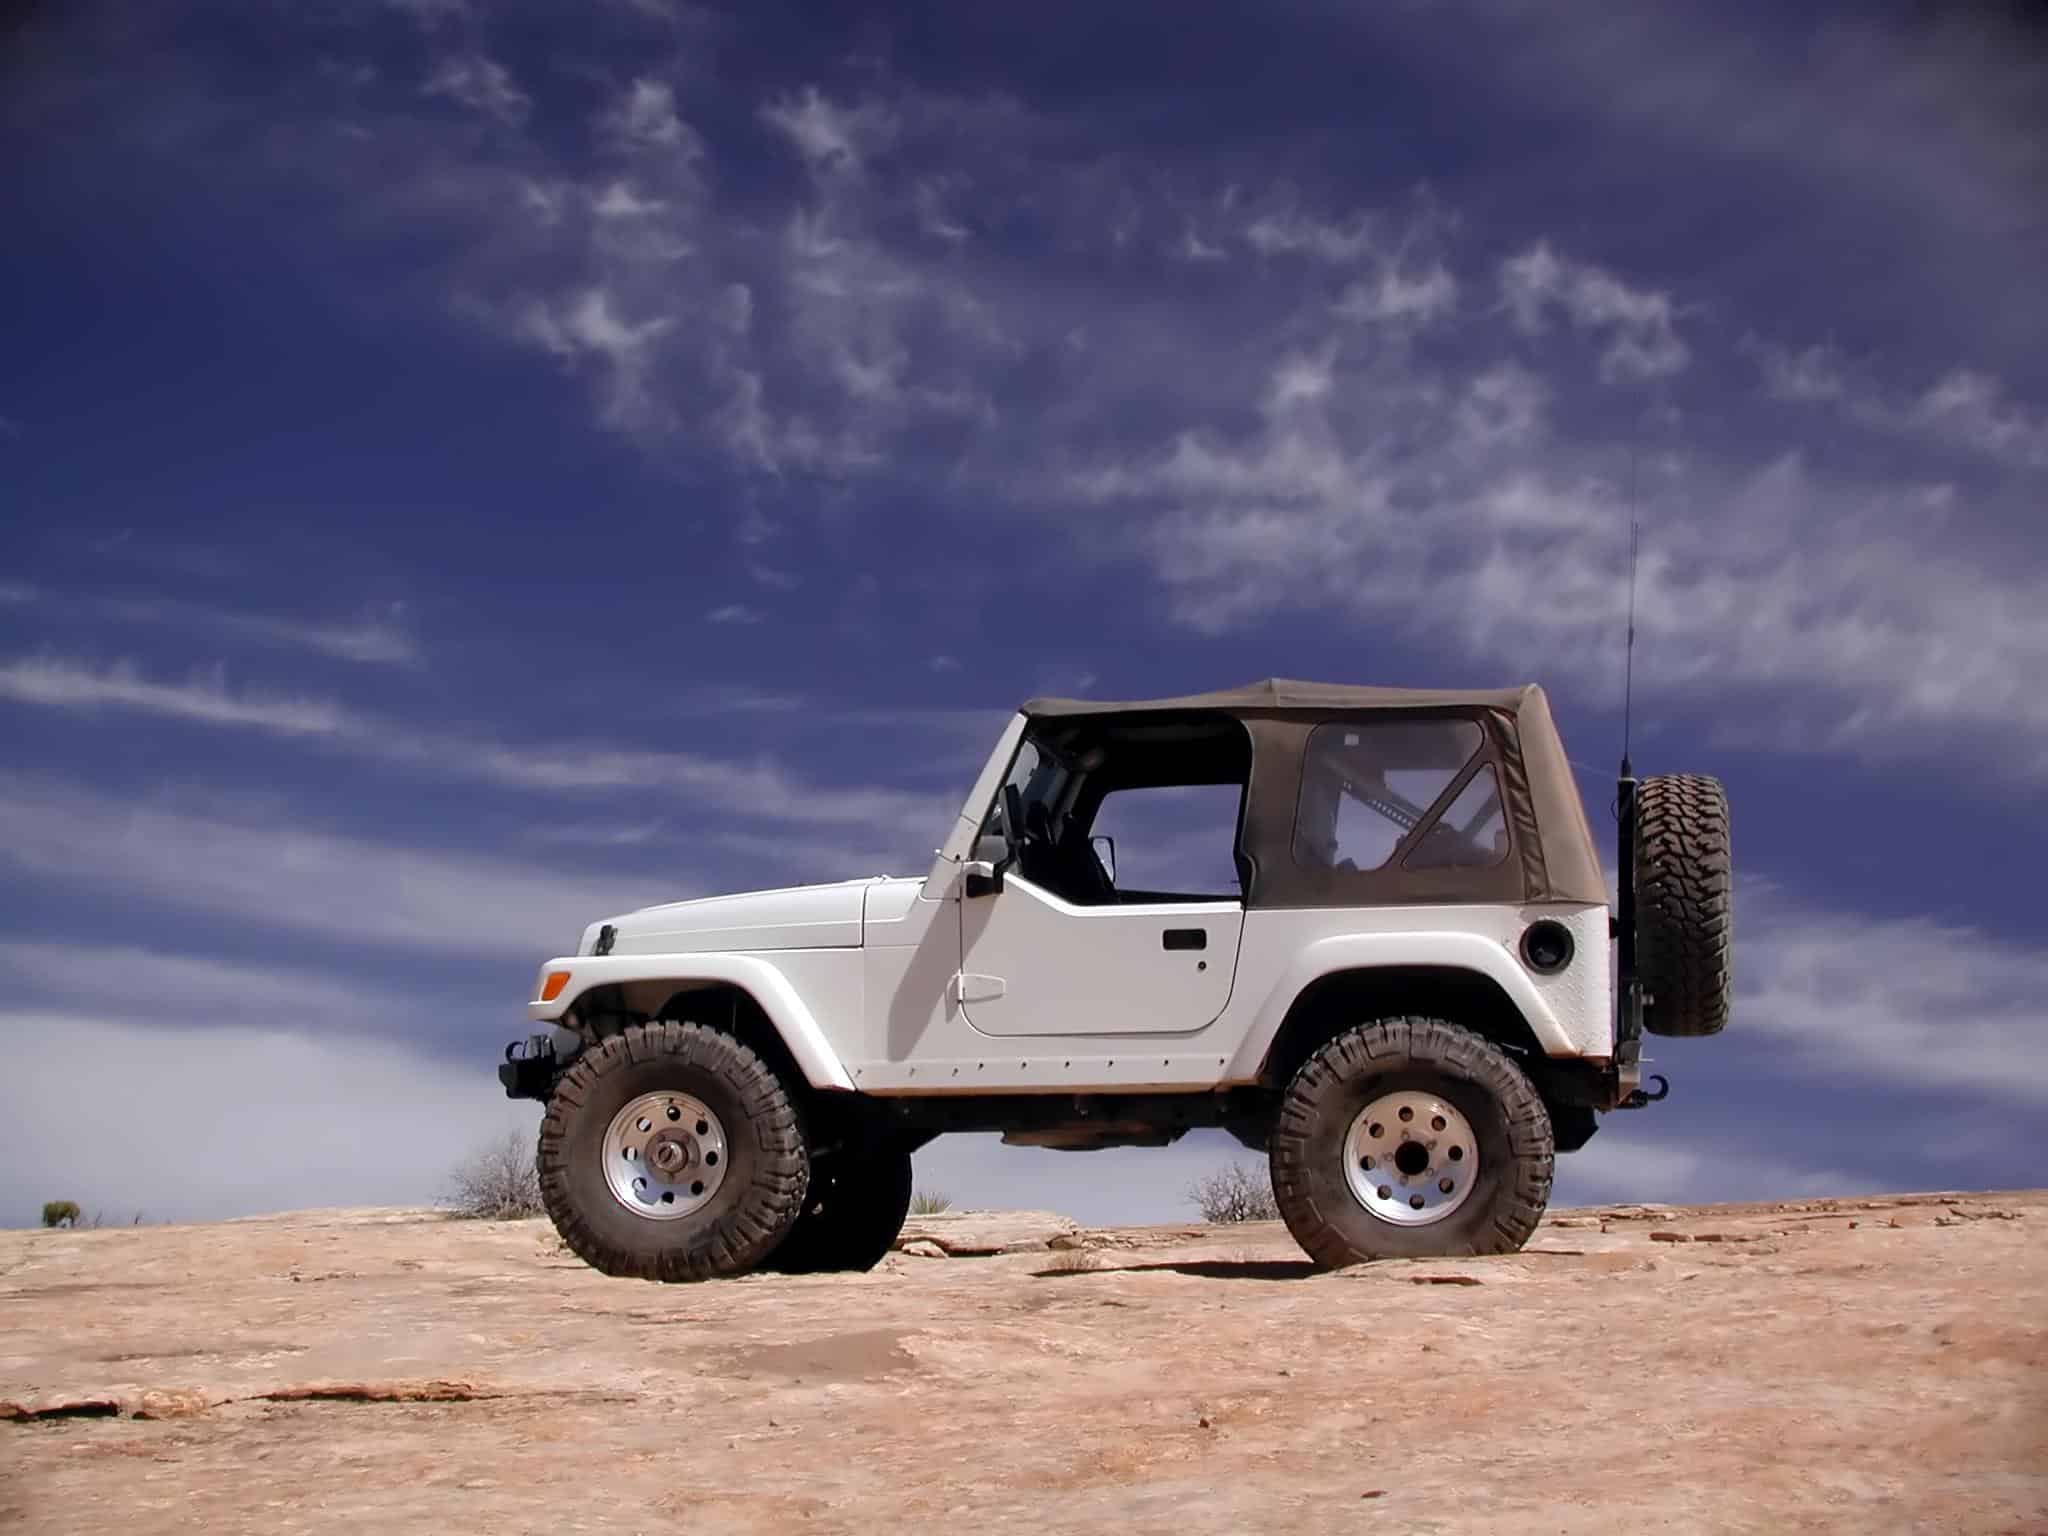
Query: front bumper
point(530, 1068)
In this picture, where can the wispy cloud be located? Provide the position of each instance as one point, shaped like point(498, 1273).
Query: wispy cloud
point(1637, 323)
point(831, 136)
point(206, 699)
point(759, 789)
point(322, 883)
point(1964, 410)
point(378, 635)
point(645, 118)
point(1909, 1001)
point(481, 84)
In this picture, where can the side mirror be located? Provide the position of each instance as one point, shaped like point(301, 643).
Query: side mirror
point(981, 878)
point(1105, 854)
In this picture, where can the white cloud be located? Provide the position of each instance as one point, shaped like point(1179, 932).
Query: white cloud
point(620, 201)
point(235, 1121)
point(586, 326)
point(1295, 233)
point(1971, 410)
point(380, 635)
point(60, 684)
point(645, 118)
point(481, 84)
point(734, 613)
point(310, 881)
point(1474, 526)
point(1398, 296)
point(1642, 341)
point(1505, 404)
point(1813, 374)
point(194, 991)
point(829, 136)
point(1909, 1001)
point(760, 788)
point(1965, 410)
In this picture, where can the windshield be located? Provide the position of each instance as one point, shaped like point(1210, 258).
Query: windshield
point(1038, 778)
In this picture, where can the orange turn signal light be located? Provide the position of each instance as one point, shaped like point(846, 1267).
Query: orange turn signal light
point(556, 981)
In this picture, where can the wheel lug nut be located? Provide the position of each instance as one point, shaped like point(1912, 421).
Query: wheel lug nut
point(1437, 1122)
point(1444, 1185)
point(1386, 1193)
point(1407, 1114)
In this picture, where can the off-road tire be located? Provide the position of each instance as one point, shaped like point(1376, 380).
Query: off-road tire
point(1684, 904)
point(853, 1212)
point(1515, 1152)
point(768, 1170)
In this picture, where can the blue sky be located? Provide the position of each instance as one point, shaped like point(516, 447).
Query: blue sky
point(467, 469)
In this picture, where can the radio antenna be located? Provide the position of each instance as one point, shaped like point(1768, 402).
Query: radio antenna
point(1628, 666)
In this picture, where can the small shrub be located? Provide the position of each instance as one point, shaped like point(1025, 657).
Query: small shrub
point(497, 1182)
point(1073, 1261)
point(1235, 1193)
point(929, 1202)
point(60, 1213)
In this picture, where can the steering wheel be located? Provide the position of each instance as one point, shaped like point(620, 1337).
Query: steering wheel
point(1013, 820)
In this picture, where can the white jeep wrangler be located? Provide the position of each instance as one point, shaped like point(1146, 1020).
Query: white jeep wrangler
point(1400, 979)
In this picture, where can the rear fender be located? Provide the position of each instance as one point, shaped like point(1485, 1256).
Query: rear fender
point(1372, 951)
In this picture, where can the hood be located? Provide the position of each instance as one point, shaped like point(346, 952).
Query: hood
point(799, 917)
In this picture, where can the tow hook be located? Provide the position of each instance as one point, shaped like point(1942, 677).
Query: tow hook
point(1643, 1096)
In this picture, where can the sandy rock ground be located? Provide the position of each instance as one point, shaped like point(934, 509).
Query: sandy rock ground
point(1865, 1365)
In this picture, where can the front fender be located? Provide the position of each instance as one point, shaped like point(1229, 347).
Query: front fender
point(768, 987)
point(1371, 951)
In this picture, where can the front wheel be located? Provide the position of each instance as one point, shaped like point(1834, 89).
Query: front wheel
point(1410, 1138)
point(672, 1152)
point(853, 1212)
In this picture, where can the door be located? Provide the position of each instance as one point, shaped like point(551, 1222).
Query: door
point(1151, 950)
point(1036, 965)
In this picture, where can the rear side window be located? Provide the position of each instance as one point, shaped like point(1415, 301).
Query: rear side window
point(1472, 832)
point(1365, 785)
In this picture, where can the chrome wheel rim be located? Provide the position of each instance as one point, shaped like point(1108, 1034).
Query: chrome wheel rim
point(1411, 1158)
point(664, 1156)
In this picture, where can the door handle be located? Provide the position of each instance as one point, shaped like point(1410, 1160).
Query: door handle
point(1185, 938)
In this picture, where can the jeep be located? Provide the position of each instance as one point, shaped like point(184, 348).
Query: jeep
point(1393, 968)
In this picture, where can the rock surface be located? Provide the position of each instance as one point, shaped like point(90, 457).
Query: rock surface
point(1827, 1365)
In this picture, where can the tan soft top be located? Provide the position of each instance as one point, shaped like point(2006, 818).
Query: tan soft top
point(1288, 693)
point(1554, 856)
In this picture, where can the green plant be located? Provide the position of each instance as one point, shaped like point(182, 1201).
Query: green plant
point(1235, 1193)
point(929, 1202)
point(60, 1213)
point(497, 1182)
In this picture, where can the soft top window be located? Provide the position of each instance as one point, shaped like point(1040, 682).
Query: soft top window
point(1367, 786)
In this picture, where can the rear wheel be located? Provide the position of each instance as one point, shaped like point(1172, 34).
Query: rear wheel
point(853, 1212)
point(1410, 1138)
point(672, 1152)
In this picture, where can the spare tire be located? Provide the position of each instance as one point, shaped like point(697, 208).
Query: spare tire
point(1684, 896)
